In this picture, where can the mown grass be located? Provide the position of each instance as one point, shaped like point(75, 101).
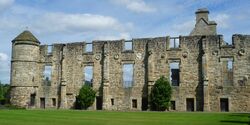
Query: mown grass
point(72, 117)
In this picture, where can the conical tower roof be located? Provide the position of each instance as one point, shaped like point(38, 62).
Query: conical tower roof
point(26, 36)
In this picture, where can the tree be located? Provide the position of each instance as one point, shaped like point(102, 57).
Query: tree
point(85, 98)
point(4, 93)
point(160, 95)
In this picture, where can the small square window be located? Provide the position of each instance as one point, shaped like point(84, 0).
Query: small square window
point(174, 43)
point(128, 45)
point(89, 47)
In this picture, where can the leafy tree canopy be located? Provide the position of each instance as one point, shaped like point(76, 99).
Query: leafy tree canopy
point(160, 95)
point(85, 98)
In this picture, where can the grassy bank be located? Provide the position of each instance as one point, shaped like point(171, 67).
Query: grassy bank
point(70, 117)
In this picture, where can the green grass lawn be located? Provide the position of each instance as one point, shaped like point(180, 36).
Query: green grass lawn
point(72, 117)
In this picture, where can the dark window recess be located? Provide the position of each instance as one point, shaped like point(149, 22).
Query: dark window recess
point(89, 47)
point(99, 102)
point(144, 104)
point(172, 105)
point(134, 103)
point(128, 45)
point(54, 101)
point(32, 99)
point(112, 102)
point(175, 77)
point(190, 104)
point(42, 103)
point(174, 73)
point(224, 105)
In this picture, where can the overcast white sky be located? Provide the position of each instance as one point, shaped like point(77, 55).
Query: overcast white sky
point(53, 21)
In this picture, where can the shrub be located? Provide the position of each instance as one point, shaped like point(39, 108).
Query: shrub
point(160, 95)
point(85, 98)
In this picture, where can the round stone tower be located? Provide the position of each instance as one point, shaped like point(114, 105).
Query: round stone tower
point(24, 70)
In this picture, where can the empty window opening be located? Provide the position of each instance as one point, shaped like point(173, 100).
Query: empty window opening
point(89, 47)
point(42, 103)
point(224, 105)
point(175, 73)
point(227, 73)
point(128, 70)
point(88, 75)
point(54, 102)
point(112, 102)
point(134, 103)
point(172, 105)
point(230, 64)
point(49, 49)
point(32, 99)
point(47, 75)
point(174, 42)
point(128, 45)
point(190, 104)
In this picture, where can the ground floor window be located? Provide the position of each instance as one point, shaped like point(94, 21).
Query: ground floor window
point(224, 107)
point(99, 102)
point(32, 99)
point(54, 102)
point(134, 103)
point(190, 104)
point(172, 105)
point(112, 101)
point(42, 103)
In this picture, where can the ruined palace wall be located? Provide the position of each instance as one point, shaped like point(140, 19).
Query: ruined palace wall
point(237, 93)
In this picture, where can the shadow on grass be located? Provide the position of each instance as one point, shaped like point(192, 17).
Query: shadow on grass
point(238, 118)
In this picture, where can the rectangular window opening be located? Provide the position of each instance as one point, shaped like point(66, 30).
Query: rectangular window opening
point(42, 103)
point(112, 102)
point(89, 47)
point(128, 45)
point(47, 75)
point(32, 99)
point(227, 69)
point(190, 104)
point(49, 49)
point(224, 107)
point(99, 102)
point(175, 73)
point(172, 104)
point(174, 42)
point(128, 74)
point(54, 102)
point(88, 75)
point(134, 103)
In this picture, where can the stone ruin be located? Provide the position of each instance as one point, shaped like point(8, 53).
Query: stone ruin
point(205, 72)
